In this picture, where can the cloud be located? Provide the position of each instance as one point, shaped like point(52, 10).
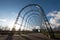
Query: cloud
point(6, 22)
point(55, 18)
point(52, 13)
point(3, 20)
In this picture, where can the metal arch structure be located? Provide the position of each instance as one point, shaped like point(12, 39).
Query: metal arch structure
point(44, 17)
point(23, 9)
point(29, 15)
point(28, 19)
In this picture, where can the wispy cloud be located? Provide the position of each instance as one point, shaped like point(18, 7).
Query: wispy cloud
point(3, 20)
point(55, 18)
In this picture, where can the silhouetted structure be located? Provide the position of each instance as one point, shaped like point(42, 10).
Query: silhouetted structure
point(40, 10)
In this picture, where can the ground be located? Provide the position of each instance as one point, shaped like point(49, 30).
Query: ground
point(31, 36)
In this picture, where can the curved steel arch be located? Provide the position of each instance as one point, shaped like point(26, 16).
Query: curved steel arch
point(27, 21)
point(44, 16)
point(24, 8)
point(31, 16)
point(27, 14)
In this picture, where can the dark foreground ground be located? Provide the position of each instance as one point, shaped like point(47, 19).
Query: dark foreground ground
point(31, 36)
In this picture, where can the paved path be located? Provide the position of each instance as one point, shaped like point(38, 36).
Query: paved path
point(32, 36)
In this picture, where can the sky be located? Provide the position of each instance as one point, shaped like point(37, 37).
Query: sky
point(9, 10)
